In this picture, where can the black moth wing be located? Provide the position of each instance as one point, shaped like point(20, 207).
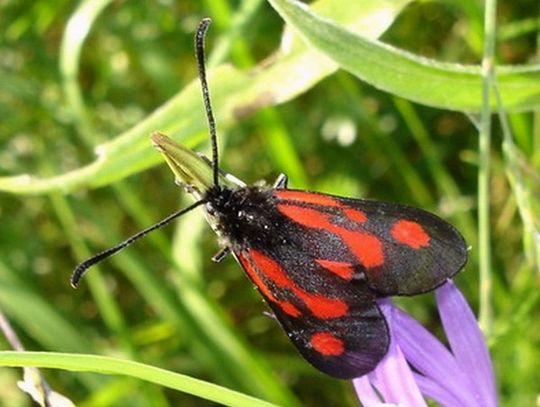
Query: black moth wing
point(397, 249)
point(321, 261)
point(345, 346)
point(332, 319)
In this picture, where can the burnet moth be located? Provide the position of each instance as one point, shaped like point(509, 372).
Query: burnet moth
point(320, 261)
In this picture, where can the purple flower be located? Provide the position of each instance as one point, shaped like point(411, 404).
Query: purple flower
point(419, 366)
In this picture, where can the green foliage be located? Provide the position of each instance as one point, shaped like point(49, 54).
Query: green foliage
point(83, 87)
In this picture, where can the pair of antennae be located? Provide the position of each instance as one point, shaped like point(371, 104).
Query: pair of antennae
point(200, 36)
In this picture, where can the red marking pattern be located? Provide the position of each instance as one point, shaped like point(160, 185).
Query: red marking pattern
point(339, 268)
point(306, 197)
point(327, 344)
point(323, 307)
point(308, 217)
point(286, 306)
point(366, 248)
point(290, 309)
point(319, 305)
point(410, 233)
point(355, 215)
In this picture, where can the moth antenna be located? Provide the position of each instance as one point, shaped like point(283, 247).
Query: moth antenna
point(83, 267)
point(201, 65)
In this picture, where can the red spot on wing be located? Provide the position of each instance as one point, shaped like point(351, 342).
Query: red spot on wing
point(271, 269)
point(355, 215)
point(286, 306)
point(323, 307)
point(319, 305)
point(290, 309)
point(367, 248)
point(410, 233)
point(339, 268)
point(312, 218)
point(254, 276)
point(327, 344)
point(307, 197)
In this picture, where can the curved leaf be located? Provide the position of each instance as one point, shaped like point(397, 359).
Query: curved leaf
point(114, 366)
point(235, 94)
point(423, 80)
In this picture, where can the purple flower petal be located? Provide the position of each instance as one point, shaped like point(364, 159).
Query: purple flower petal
point(393, 376)
point(463, 377)
point(467, 343)
point(435, 391)
point(366, 394)
point(431, 358)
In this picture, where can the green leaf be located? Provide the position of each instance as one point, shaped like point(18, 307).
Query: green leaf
point(423, 80)
point(235, 94)
point(113, 366)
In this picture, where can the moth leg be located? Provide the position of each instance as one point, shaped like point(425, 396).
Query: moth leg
point(281, 181)
point(221, 254)
point(270, 315)
point(233, 179)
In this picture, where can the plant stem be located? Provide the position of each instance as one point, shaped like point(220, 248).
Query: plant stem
point(484, 146)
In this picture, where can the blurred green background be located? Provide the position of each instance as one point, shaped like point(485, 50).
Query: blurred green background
point(163, 301)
